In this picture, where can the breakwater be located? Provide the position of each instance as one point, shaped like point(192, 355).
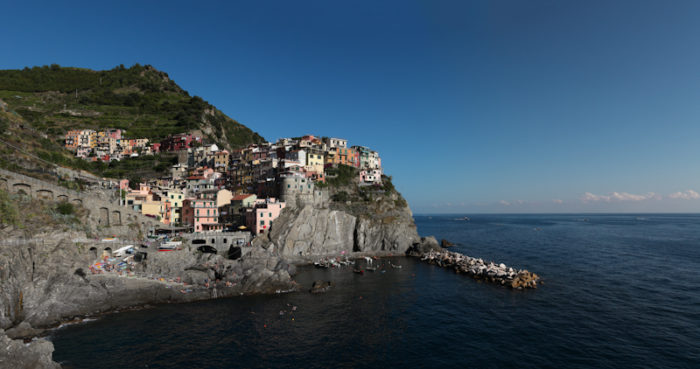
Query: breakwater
point(480, 269)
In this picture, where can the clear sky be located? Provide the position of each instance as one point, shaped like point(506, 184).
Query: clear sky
point(475, 106)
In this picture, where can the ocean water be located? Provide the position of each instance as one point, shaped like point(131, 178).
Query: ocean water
point(620, 291)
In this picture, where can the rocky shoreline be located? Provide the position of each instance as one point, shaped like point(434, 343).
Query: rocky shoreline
point(50, 278)
point(477, 268)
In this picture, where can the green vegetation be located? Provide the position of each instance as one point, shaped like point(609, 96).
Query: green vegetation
point(37, 213)
point(341, 196)
point(341, 176)
point(43, 103)
point(65, 208)
point(8, 210)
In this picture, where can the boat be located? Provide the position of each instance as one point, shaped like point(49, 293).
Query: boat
point(129, 249)
point(371, 269)
point(358, 271)
point(395, 266)
point(169, 246)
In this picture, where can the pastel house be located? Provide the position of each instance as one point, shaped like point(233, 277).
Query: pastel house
point(260, 218)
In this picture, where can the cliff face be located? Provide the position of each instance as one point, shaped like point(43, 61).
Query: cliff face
point(361, 221)
point(46, 280)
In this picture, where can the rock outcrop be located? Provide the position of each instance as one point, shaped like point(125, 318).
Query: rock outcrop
point(303, 233)
point(44, 283)
point(18, 355)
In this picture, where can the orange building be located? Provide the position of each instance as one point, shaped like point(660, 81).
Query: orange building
point(73, 140)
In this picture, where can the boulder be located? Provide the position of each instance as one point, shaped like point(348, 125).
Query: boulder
point(445, 243)
point(19, 355)
point(23, 330)
point(321, 286)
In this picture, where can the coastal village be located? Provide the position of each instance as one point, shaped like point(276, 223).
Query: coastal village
point(213, 189)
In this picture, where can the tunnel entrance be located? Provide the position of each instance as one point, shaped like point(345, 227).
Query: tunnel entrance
point(234, 253)
point(206, 249)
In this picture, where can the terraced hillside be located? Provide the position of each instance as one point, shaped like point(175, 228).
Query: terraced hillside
point(39, 105)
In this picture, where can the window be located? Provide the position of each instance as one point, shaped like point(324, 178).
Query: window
point(262, 222)
point(270, 215)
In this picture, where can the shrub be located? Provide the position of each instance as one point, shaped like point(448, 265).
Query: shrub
point(341, 196)
point(65, 208)
point(8, 211)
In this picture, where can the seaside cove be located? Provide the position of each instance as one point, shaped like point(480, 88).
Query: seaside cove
point(607, 290)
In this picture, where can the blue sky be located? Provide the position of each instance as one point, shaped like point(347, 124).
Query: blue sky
point(475, 106)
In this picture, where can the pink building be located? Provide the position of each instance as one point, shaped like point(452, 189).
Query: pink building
point(114, 133)
point(259, 219)
point(124, 184)
point(371, 176)
point(201, 214)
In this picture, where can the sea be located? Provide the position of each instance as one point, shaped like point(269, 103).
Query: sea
point(619, 291)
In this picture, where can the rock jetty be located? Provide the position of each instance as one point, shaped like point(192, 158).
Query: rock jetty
point(480, 269)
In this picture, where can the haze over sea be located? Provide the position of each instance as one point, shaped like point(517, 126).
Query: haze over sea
point(620, 291)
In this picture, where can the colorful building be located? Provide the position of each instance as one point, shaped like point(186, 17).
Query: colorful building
point(201, 214)
point(175, 198)
point(373, 176)
point(315, 162)
point(221, 160)
point(260, 218)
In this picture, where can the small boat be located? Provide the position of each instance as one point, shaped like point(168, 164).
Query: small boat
point(358, 271)
point(169, 246)
point(371, 269)
point(395, 266)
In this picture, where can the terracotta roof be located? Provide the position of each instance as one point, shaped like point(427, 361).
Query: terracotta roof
point(241, 197)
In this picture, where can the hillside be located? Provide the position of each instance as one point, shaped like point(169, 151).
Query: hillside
point(39, 105)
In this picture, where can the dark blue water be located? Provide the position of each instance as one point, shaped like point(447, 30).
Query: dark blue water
point(621, 291)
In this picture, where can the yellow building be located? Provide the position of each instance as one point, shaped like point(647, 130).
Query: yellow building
point(315, 161)
point(221, 160)
point(175, 198)
point(152, 208)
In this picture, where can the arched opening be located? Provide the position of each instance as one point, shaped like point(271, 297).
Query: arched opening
point(93, 252)
point(116, 217)
point(234, 253)
point(199, 241)
point(104, 217)
point(22, 189)
point(206, 249)
point(107, 252)
point(44, 194)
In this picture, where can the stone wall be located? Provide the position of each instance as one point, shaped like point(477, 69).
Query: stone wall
point(299, 192)
point(106, 214)
point(221, 241)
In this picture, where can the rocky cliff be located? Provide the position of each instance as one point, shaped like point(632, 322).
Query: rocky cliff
point(45, 280)
point(343, 220)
